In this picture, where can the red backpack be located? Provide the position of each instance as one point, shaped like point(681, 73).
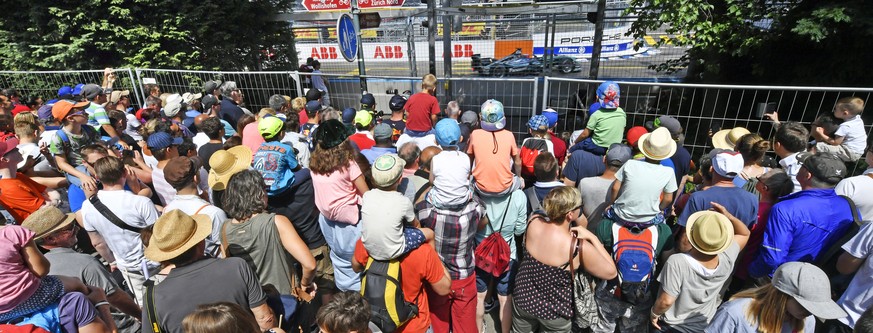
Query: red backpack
point(530, 149)
point(492, 255)
point(27, 328)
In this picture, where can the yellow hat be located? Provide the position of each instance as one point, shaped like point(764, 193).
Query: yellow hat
point(225, 163)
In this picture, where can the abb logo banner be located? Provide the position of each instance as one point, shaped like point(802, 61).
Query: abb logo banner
point(395, 51)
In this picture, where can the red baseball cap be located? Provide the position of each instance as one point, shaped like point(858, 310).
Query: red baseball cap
point(634, 134)
point(8, 145)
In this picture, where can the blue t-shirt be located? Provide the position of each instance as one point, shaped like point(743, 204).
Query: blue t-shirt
point(681, 163)
point(276, 161)
point(737, 201)
point(582, 164)
point(373, 153)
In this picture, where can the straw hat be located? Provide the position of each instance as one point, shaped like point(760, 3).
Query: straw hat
point(658, 145)
point(47, 220)
point(727, 138)
point(226, 163)
point(176, 232)
point(709, 232)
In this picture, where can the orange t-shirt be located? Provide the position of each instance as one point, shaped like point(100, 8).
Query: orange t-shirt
point(420, 265)
point(21, 196)
point(493, 165)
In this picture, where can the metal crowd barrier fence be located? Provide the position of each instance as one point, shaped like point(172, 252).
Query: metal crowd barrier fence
point(45, 84)
point(702, 109)
point(257, 87)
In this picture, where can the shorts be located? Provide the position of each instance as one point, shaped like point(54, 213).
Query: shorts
point(323, 269)
point(505, 283)
point(414, 238)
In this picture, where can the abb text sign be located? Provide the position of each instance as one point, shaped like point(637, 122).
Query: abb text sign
point(395, 51)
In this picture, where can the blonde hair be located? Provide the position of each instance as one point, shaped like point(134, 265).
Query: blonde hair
point(266, 112)
point(298, 104)
point(854, 105)
point(560, 201)
point(26, 117)
point(428, 82)
point(769, 309)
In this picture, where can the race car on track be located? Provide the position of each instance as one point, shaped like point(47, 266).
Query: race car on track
point(518, 63)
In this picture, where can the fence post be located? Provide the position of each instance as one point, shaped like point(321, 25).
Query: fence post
point(141, 90)
point(545, 92)
point(296, 76)
point(134, 85)
point(536, 85)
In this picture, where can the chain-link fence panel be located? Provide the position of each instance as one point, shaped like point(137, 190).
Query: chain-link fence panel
point(45, 84)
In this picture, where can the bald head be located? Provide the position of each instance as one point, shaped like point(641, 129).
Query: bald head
point(409, 152)
point(426, 155)
point(199, 119)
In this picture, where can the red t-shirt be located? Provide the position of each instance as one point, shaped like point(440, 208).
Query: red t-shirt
point(419, 108)
point(21, 196)
point(419, 266)
point(560, 148)
point(304, 118)
point(362, 140)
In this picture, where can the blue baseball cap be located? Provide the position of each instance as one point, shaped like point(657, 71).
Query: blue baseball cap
point(65, 90)
point(552, 116)
point(448, 133)
point(368, 100)
point(77, 90)
point(349, 115)
point(161, 140)
point(538, 123)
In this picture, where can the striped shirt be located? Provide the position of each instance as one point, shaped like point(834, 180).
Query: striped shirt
point(97, 115)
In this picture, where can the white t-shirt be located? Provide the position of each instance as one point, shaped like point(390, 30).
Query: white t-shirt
point(201, 139)
point(641, 186)
point(859, 295)
point(191, 204)
point(32, 150)
point(858, 189)
point(136, 211)
point(791, 167)
point(854, 136)
point(132, 128)
point(382, 216)
point(451, 179)
point(298, 141)
point(422, 142)
point(46, 137)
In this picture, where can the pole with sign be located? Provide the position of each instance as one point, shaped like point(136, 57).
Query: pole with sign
point(349, 42)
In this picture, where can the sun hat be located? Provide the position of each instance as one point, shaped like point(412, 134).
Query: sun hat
point(634, 134)
point(363, 118)
point(368, 100)
point(448, 133)
point(728, 164)
point(188, 97)
point(226, 163)
point(332, 133)
point(313, 106)
point(619, 152)
point(538, 123)
point(175, 232)
point(670, 123)
point(397, 103)
point(823, 166)
point(172, 109)
point(382, 131)
point(810, 287)
point(161, 140)
point(608, 94)
point(62, 108)
point(269, 127)
point(493, 118)
point(348, 115)
point(470, 117)
point(116, 95)
point(47, 220)
point(552, 116)
point(658, 145)
point(727, 138)
point(387, 169)
point(709, 232)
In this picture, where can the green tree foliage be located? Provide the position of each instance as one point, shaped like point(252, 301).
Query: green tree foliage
point(185, 34)
point(810, 42)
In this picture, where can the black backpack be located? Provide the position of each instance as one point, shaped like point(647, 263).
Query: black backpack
point(381, 286)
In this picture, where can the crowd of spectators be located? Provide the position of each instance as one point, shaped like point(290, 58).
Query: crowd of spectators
point(196, 214)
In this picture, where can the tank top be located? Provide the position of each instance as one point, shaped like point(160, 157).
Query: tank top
point(257, 241)
point(542, 290)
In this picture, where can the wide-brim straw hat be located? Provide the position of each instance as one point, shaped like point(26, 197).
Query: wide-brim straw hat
point(658, 145)
point(727, 138)
point(225, 163)
point(175, 232)
point(47, 220)
point(709, 232)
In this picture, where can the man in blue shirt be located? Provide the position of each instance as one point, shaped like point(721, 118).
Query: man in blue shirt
point(725, 166)
point(806, 223)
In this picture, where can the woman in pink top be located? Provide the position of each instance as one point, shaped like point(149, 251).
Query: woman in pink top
point(339, 185)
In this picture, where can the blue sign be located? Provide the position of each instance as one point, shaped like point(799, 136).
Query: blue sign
point(347, 37)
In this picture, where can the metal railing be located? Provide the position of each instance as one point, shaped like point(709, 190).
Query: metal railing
point(702, 108)
point(45, 84)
